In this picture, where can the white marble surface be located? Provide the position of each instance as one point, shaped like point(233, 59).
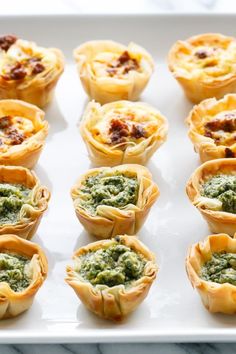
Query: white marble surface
point(23, 7)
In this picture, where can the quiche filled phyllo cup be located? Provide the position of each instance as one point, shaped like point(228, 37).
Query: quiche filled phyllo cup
point(212, 189)
point(204, 65)
point(23, 131)
point(122, 132)
point(211, 268)
point(112, 277)
point(23, 201)
point(113, 201)
point(28, 72)
point(23, 269)
point(212, 128)
point(110, 71)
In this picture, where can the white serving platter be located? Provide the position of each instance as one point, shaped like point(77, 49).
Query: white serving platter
point(172, 311)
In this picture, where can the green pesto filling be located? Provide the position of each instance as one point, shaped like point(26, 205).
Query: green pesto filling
point(12, 271)
point(223, 188)
point(111, 266)
point(220, 269)
point(12, 197)
point(117, 191)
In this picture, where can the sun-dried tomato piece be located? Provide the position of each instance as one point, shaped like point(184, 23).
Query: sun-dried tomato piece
point(5, 122)
point(229, 153)
point(15, 137)
point(138, 131)
point(38, 68)
point(7, 41)
point(118, 130)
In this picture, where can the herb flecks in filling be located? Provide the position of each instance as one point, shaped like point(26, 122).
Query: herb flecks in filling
point(223, 188)
point(117, 264)
point(115, 190)
point(13, 271)
point(12, 198)
point(221, 268)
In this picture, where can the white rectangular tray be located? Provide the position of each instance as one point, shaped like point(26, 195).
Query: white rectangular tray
point(172, 310)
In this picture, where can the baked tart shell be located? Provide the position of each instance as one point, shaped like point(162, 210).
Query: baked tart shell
point(218, 221)
point(113, 221)
point(105, 89)
point(194, 88)
point(113, 303)
point(30, 219)
point(27, 153)
point(13, 303)
point(102, 154)
point(215, 297)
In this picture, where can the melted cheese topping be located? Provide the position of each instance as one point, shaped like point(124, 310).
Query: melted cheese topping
point(105, 65)
point(207, 59)
point(138, 118)
point(22, 52)
point(18, 130)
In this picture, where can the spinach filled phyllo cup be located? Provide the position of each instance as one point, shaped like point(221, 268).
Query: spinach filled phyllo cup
point(204, 65)
point(110, 71)
point(23, 269)
point(212, 189)
point(28, 72)
point(211, 268)
point(23, 131)
point(112, 277)
point(23, 201)
point(122, 132)
point(212, 128)
point(114, 201)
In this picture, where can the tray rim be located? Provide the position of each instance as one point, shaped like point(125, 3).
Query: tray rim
point(121, 336)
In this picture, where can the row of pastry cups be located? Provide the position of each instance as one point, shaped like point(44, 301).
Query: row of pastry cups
point(109, 302)
point(105, 89)
point(27, 153)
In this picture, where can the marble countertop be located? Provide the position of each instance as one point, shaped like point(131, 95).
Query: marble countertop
point(123, 6)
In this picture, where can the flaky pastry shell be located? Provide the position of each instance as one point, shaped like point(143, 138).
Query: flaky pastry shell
point(215, 297)
point(113, 303)
point(218, 221)
point(36, 89)
point(203, 113)
point(102, 153)
point(27, 153)
point(219, 75)
point(30, 215)
point(103, 88)
point(13, 303)
point(111, 221)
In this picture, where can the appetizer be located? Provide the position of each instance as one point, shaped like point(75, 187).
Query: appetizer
point(211, 268)
point(23, 269)
point(110, 71)
point(23, 201)
point(212, 128)
point(113, 201)
point(28, 72)
point(112, 277)
point(122, 132)
point(204, 65)
point(22, 133)
point(212, 189)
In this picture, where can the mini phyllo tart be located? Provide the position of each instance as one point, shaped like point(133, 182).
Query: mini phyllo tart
point(212, 128)
point(28, 72)
point(22, 133)
point(114, 201)
point(204, 65)
point(110, 71)
point(112, 277)
point(22, 201)
point(211, 268)
point(122, 132)
point(23, 269)
point(212, 189)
